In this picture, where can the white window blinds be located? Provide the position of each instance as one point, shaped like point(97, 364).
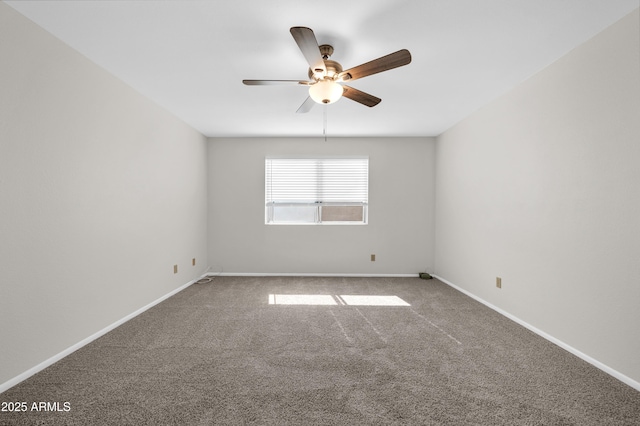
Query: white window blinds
point(326, 180)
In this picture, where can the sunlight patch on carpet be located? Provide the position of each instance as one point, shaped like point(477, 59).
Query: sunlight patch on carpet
point(365, 300)
point(327, 299)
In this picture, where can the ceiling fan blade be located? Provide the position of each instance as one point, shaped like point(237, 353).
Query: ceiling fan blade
point(388, 62)
point(361, 97)
point(306, 106)
point(309, 46)
point(276, 82)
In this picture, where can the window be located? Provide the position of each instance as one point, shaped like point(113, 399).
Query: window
point(316, 190)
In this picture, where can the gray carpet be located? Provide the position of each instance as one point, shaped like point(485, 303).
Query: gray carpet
point(218, 353)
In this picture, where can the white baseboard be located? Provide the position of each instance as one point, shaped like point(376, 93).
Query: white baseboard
point(300, 274)
point(625, 379)
point(30, 372)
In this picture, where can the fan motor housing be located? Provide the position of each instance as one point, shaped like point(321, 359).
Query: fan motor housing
point(333, 69)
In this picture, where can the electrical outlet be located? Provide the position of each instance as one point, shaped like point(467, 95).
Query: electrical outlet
point(175, 269)
point(373, 257)
point(498, 282)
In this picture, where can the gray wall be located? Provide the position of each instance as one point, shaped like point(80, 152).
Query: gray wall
point(542, 188)
point(101, 193)
point(401, 209)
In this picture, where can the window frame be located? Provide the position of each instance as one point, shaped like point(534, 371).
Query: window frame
point(316, 205)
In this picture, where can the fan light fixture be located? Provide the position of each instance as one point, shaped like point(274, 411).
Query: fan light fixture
point(326, 91)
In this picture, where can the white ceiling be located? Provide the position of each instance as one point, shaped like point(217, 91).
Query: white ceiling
point(191, 56)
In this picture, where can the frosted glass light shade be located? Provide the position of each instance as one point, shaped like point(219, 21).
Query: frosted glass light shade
point(325, 91)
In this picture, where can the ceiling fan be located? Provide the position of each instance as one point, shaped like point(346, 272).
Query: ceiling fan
point(326, 76)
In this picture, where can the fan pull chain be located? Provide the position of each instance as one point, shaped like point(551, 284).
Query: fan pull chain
point(324, 128)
